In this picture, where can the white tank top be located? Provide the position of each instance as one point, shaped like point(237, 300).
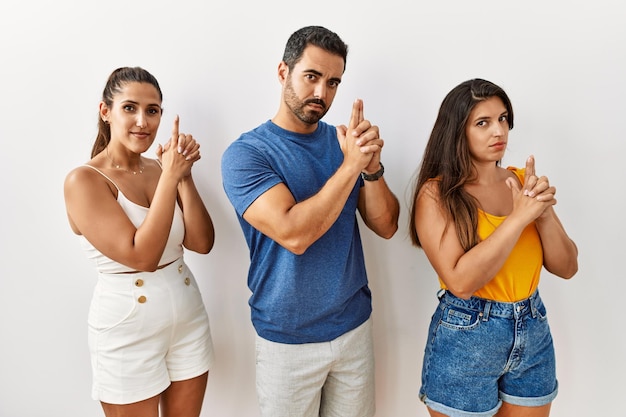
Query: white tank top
point(137, 214)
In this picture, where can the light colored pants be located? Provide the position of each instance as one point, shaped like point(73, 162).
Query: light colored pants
point(328, 379)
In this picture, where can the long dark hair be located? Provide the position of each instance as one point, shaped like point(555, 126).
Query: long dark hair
point(116, 81)
point(447, 158)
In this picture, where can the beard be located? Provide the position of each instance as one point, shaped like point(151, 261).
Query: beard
point(298, 107)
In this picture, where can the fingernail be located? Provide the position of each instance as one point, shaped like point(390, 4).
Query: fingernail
point(180, 149)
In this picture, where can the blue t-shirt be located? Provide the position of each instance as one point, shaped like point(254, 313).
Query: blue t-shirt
point(323, 293)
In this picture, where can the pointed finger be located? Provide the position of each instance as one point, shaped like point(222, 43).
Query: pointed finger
point(529, 173)
point(357, 114)
point(175, 132)
point(530, 168)
point(175, 128)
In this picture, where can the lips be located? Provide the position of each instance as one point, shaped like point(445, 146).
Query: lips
point(318, 104)
point(498, 145)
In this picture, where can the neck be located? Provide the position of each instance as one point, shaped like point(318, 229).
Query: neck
point(486, 173)
point(138, 170)
point(287, 120)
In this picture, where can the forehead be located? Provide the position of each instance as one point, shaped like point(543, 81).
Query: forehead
point(138, 92)
point(317, 59)
point(489, 107)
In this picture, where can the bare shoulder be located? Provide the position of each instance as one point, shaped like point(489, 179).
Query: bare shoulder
point(512, 172)
point(428, 203)
point(85, 180)
point(86, 192)
point(430, 189)
point(82, 175)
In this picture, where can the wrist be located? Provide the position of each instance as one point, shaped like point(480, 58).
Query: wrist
point(375, 175)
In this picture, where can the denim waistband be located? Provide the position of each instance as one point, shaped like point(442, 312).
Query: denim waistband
point(488, 308)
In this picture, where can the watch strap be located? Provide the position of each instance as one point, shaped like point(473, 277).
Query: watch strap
point(375, 176)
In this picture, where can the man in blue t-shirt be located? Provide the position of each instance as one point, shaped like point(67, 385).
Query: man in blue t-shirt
point(296, 183)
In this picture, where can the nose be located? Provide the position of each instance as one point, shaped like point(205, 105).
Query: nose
point(498, 129)
point(320, 91)
point(141, 120)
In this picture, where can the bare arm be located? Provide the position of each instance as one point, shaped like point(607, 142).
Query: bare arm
point(296, 226)
point(560, 254)
point(462, 272)
point(94, 212)
point(199, 230)
point(379, 208)
point(466, 272)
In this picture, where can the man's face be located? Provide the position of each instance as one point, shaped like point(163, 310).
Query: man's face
point(310, 88)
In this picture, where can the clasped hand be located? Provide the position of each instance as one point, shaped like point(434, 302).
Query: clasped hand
point(179, 153)
point(360, 141)
point(535, 196)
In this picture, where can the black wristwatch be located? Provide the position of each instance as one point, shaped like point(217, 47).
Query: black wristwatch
point(375, 176)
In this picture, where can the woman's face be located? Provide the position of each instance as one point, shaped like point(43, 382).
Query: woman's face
point(487, 130)
point(134, 116)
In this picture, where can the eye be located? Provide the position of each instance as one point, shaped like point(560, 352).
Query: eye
point(504, 117)
point(481, 123)
point(154, 111)
point(333, 84)
point(129, 107)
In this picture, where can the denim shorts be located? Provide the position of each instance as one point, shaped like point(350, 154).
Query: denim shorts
point(481, 352)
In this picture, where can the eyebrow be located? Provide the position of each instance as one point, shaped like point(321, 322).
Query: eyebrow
point(319, 74)
point(128, 101)
point(506, 112)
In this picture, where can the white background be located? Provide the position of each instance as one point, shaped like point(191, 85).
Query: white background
point(561, 62)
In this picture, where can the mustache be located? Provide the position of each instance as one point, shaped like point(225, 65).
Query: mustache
point(317, 101)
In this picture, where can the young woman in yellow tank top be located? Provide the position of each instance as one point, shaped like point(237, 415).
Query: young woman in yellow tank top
point(487, 231)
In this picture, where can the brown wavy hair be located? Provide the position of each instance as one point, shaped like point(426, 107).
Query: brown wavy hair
point(447, 158)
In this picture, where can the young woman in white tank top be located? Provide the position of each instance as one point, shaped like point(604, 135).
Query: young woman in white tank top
point(149, 333)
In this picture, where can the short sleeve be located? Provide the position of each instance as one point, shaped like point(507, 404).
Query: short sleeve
point(246, 175)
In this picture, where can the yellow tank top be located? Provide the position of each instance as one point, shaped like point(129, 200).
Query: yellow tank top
point(519, 276)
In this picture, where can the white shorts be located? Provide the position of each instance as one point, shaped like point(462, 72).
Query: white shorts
point(145, 330)
point(328, 379)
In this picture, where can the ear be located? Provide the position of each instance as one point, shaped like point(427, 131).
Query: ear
point(283, 72)
point(104, 112)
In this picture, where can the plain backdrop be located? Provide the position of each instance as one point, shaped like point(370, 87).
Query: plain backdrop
point(561, 62)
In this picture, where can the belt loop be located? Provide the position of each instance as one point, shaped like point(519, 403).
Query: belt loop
point(486, 311)
point(441, 293)
point(533, 304)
